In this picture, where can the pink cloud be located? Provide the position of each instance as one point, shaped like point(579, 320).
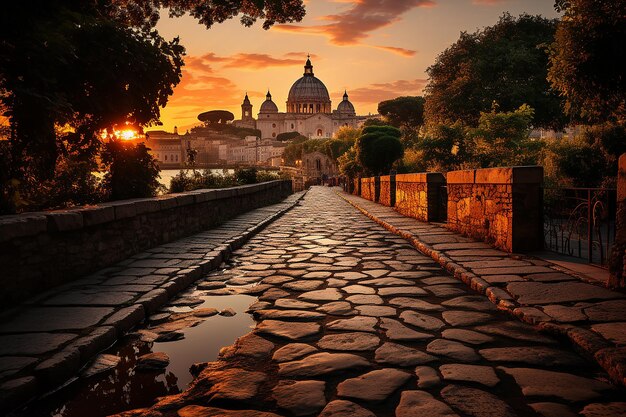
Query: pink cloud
point(377, 92)
point(353, 26)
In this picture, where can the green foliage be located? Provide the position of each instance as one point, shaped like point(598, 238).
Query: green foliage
point(584, 59)
point(444, 148)
point(502, 139)
point(349, 164)
point(374, 122)
point(406, 112)
point(196, 180)
point(245, 176)
point(227, 129)
point(505, 63)
point(131, 172)
point(382, 130)
point(289, 136)
point(80, 67)
point(216, 117)
point(378, 148)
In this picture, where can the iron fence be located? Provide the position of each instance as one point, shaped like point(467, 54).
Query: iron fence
point(580, 222)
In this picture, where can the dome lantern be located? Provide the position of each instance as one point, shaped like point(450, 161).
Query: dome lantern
point(308, 94)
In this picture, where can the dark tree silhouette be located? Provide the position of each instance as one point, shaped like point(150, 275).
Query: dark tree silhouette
point(216, 117)
point(505, 63)
point(406, 112)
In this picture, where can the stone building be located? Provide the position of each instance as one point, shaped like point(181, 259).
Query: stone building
point(308, 111)
point(317, 167)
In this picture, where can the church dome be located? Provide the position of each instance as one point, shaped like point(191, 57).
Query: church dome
point(308, 91)
point(345, 107)
point(268, 105)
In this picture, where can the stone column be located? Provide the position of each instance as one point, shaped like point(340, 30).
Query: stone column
point(392, 190)
point(618, 255)
point(377, 188)
point(501, 206)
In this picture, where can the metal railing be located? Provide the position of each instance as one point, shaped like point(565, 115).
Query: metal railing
point(580, 222)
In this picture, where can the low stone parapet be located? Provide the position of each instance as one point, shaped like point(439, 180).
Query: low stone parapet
point(368, 188)
point(45, 249)
point(501, 206)
point(421, 196)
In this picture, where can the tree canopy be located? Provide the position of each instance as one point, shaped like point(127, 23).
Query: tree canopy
point(505, 63)
point(378, 148)
point(70, 69)
point(216, 117)
point(406, 112)
point(584, 59)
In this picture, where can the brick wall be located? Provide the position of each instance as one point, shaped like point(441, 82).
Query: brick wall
point(501, 206)
point(418, 195)
point(41, 250)
point(387, 192)
point(368, 188)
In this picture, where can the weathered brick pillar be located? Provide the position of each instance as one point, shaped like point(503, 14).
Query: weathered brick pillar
point(419, 195)
point(392, 190)
point(617, 260)
point(501, 206)
point(377, 188)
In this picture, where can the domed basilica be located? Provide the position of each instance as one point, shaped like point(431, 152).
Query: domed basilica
point(309, 111)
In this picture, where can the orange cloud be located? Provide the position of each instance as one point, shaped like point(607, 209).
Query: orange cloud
point(487, 2)
point(396, 50)
point(375, 93)
point(353, 26)
point(245, 61)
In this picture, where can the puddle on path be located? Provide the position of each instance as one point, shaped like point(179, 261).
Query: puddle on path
point(123, 388)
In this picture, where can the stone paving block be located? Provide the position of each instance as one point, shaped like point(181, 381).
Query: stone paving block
point(126, 318)
point(46, 319)
point(96, 341)
point(540, 293)
point(59, 367)
point(33, 343)
point(80, 298)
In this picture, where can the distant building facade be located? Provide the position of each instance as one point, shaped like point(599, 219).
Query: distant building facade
point(308, 111)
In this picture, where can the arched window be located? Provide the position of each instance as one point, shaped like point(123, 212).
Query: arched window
point(273, 134)
point(165, 157)
point(318, 107)
point(319, 132)
point(292, 126)
point(310, 108)
point(273, 124)
point(318, 164)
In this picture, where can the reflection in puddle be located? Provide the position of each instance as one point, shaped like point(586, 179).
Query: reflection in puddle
point(203, 342)
point(122, 388)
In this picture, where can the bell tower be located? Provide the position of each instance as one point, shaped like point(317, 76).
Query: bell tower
point(246, 109)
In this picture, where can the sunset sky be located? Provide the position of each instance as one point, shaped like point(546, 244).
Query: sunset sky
point(376, 49)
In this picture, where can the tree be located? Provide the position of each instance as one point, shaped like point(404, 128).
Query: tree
point(584, 57)
point(403, 112)
point(378, 148)
point(502, 139)
point(505, 63)
point(443, 148)
point(216, 117)
point(288, 136)
point(131, 172)
point(76, 68)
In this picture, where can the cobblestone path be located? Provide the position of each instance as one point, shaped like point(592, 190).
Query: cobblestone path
point(353, 321)
point(47, 339)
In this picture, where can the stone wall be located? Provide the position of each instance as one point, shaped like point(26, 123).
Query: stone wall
point(419, 195)
point(42, 250)
point(368, 188)
point(386, 191)
point(356, 190)
point(501, 206)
